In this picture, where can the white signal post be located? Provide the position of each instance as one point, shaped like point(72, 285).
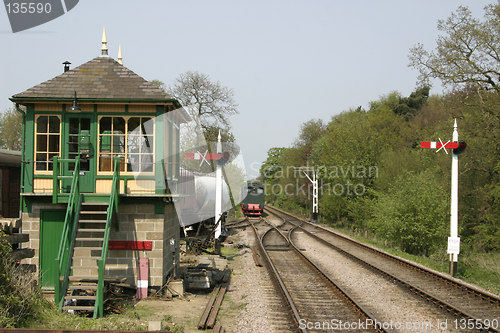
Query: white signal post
point(314, 181)
point(218, 190)
point(453, 241)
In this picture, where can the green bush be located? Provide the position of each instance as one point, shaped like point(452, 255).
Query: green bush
point(413, 214)
point(20, 299)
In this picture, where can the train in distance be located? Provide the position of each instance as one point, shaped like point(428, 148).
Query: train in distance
point(253, 204)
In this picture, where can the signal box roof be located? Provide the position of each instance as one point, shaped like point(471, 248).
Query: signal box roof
point(99, 79)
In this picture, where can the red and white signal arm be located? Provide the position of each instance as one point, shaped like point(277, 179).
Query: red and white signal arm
point(437, 145)
point(201, 156)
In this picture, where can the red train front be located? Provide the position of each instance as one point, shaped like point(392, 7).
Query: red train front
point(253, 204)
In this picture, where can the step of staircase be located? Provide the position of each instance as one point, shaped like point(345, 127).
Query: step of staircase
point(82, 298)
point(86, 253)
point(83, 287)
point(83, 278)
point(88, 239)
point(77, 307)
point(92, 221)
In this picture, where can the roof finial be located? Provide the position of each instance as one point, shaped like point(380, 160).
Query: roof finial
point(104, 48)
point(120, 59)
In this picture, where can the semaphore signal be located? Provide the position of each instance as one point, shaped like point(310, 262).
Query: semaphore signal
point(458, 147)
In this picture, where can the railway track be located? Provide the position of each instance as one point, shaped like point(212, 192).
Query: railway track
point(473, 309)
point(316, 302)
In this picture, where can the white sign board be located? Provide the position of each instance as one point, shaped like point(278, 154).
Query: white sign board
point(453, 245)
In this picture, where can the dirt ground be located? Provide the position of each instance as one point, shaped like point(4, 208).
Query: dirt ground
point(181, 314)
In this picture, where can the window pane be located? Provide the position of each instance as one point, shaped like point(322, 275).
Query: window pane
point(133, 143)
point(147, 163)
point(133, 125)
point(54, 124)
point(85, 124)
point(147, 125)
point(74, 125)
point(41, 124)
point(105, 162)
point(105, 143)
point(54, 143)
point(118, 143)
point(51, 161)
point(133, 162)
point(105, 125)
point(147, 144)
point(41, 143)
point(118, 125)
point(73, 144)
point(41, 162)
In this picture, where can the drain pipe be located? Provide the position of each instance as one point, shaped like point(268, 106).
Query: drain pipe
point(22, 157)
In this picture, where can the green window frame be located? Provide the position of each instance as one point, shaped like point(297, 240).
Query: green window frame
point(131, 138)
point(47, 142)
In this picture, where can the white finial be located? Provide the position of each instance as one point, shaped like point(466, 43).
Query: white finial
point(219, 144)
point(455, 131)
point(104, 48)
point(120, 58)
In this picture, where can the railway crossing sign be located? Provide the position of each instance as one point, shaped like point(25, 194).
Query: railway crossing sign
point(458, 147)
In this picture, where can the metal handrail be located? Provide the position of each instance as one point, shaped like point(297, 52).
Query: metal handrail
point(101, 263)
point(67, 242)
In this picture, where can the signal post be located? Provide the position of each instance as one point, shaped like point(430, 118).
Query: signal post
point(458, 147)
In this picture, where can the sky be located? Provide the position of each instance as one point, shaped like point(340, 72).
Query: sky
point(288, 61)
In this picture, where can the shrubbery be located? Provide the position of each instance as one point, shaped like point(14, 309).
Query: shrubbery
point(20, 299)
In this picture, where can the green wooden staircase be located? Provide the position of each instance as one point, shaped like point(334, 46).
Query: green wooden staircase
point(84, 243)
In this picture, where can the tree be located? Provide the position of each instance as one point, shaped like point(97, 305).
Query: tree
point(214, 103)
point(11, 124)
point(408, 106)
point(467, 55)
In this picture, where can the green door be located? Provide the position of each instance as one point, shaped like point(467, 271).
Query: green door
point(79, 145)
point(51, 227)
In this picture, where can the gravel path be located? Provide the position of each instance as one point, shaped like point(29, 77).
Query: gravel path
point(261, 307)
point(388, 302)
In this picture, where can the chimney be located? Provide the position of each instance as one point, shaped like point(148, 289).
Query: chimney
point(66, 66)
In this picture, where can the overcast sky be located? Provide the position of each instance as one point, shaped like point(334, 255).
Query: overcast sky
point(288, 61)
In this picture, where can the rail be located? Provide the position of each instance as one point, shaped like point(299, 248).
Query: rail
point(454, 284)
point(279, 281)
point(66, 245)
point(111, 215)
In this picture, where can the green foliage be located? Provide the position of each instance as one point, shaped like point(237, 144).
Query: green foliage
point(412, 214)
point(408, 106)
point(11, 123)
point(466, 53)
point(20, 300)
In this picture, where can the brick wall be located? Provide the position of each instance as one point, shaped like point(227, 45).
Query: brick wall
point(31, 226)
point(137, 222)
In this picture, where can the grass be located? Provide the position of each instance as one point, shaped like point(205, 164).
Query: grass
point(131, 318)
point(229, 252)
point(481, 269)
